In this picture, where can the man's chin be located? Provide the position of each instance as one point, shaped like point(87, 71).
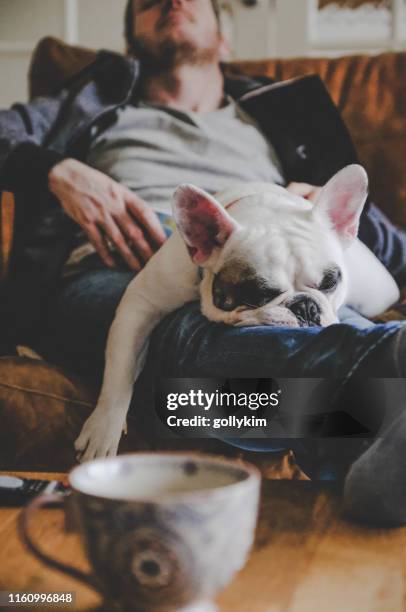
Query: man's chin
point(172, 47)
point(172, 50)
point(179, 35)
point(176, 37)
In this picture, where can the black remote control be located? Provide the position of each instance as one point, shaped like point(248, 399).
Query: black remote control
point(15, 491)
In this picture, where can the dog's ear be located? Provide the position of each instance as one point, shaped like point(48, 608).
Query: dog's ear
point(203, 224)
point(343, 199)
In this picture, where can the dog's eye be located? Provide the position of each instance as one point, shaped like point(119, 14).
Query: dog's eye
point(330, 280)
point(252, 293)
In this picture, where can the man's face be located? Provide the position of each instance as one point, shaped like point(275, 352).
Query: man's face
point(172, 32)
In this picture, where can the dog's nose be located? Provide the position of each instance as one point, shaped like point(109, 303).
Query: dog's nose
point(306, 310)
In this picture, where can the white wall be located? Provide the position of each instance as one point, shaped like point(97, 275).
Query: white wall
point(91, 23)
point(273, 28)
point(101, 23)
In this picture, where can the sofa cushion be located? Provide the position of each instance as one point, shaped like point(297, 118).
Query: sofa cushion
point(42, 409)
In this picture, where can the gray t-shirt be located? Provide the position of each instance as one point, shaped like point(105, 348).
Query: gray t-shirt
point(151, 149)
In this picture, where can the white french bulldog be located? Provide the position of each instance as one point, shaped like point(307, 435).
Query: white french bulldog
point(257, 255)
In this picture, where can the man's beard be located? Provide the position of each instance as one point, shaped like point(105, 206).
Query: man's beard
point(170, 54)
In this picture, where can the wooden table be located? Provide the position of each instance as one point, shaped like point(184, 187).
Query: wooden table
point(306, 558)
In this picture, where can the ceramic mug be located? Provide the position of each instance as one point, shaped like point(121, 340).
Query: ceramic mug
point(162, 531)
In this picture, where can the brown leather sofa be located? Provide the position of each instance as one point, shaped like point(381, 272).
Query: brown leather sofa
point(41, 406)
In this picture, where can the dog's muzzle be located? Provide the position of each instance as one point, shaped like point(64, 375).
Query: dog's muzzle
point(306, 310)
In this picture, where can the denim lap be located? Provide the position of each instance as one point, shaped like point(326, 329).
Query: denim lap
point(186, 344)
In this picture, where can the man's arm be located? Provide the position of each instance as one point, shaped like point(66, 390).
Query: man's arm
point(24, 161)
point(386, 241)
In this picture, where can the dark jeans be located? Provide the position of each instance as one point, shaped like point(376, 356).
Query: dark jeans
point(185, 344)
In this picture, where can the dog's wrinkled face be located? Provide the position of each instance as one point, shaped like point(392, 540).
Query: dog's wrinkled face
point(270, 257)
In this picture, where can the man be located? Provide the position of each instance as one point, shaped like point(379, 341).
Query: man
point(168, 117)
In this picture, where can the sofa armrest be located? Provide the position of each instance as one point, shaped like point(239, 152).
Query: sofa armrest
point(6, 231)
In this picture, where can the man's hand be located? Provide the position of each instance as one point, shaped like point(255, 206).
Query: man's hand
point(309, 192)
point(108, 212)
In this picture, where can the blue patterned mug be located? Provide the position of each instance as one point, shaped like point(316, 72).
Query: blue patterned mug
point(162, 531)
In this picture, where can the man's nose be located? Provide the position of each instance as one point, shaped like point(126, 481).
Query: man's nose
point(306, 310)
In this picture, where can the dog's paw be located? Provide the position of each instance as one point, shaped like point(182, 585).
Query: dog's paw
point(100, 435)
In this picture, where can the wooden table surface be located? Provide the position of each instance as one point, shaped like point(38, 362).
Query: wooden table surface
point(306, 558)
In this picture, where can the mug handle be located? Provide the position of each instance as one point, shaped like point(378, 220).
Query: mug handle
point(41, 501)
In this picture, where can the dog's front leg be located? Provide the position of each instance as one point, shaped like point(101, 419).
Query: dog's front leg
point(149, 297)
point(126, 346)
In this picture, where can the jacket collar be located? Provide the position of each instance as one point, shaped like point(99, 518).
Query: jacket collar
point(116, 76)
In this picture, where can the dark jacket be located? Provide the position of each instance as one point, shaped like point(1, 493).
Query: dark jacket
point(297, 116)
